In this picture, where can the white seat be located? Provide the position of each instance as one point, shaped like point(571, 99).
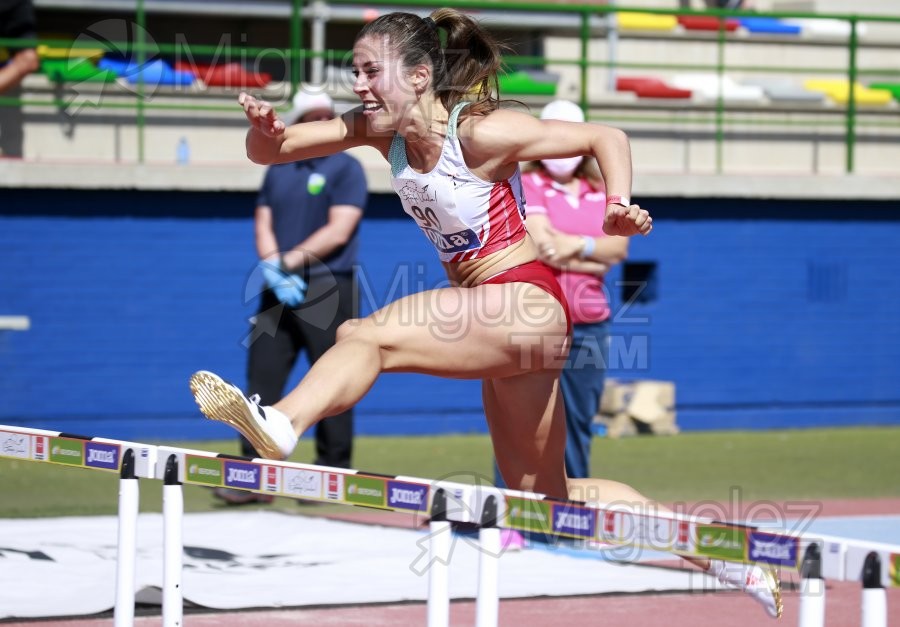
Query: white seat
point(708, 86)
point(826, 28)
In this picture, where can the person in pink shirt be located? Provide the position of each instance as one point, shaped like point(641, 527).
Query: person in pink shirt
point(565, 203)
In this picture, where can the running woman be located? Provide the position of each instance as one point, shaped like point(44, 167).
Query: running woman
point(431, 110)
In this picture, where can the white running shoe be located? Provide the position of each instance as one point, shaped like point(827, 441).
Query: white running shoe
point(268, 430)
point(760, 583)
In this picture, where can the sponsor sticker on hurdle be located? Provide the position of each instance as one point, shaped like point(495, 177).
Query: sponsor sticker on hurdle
point(647, 530)
point(272, 478)
point(611, 526)
point(771, 548)
point(242, 475)
point(16, 445)
point(66, 451)
point(41, 447)
point(528, 515)
point(684, 537)
point(571, 520)
point(334, 486)
point(102, 455)
point(305, 483)
point(410, 496)
point(207, 470)
point(365, 490)
point(723, 542)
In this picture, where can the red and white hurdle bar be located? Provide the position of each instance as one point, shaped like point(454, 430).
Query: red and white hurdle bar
point(815, 557)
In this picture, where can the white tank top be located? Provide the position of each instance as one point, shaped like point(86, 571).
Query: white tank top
point(462, 215)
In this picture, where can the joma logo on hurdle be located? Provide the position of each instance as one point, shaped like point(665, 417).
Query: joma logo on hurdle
point(407, 496)
point(243, 475)
point(102, 456)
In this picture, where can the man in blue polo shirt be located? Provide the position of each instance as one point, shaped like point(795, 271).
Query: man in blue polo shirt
point(307, 225)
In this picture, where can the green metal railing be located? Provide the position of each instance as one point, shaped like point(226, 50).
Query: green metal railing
point(721, 118)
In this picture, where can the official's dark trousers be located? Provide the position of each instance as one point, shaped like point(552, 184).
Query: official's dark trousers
point(281, 334)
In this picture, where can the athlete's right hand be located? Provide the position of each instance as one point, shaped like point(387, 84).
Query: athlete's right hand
point(261, 115)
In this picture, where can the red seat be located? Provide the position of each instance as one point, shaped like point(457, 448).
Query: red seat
point(645, 87)
point(661, 90)
point(706, 22)
point(630, 83)
point(226, 75)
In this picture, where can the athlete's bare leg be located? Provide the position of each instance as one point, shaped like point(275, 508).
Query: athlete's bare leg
point(496, 330)
point(527, 421)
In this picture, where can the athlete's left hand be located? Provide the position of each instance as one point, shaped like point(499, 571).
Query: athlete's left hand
point(627, 221)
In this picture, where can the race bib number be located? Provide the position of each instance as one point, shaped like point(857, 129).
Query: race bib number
point(445, 242)
point(436, 219)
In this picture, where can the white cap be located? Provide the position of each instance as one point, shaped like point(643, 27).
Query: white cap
point(308, 99)
point(564, 110)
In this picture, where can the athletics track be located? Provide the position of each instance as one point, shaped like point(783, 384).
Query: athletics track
point(868, 519)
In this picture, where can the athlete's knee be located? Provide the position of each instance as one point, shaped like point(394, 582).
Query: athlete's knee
point(347, 329)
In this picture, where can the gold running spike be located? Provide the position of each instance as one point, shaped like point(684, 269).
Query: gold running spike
point(222, 402)
point(774, 584)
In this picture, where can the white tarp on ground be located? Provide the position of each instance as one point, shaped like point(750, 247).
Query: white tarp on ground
point(67, 566)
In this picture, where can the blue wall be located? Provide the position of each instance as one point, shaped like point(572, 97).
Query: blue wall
point(765, 314)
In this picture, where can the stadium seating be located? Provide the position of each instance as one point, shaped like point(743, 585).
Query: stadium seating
point(706, 23)
point(785, 91)
point(825, 28)
point(56, 52)
point(230, 75)
point(78, 71)
point(628, 20)
point(646, 87)
point(839, 91)
point(152, 72)
point(526, 83)
point(709, 87)
point(768, 26)
point(892, 88)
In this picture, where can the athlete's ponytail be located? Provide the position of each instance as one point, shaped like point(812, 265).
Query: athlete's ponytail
point(471, 63)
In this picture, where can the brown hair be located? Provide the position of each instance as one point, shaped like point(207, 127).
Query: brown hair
point(464, 67)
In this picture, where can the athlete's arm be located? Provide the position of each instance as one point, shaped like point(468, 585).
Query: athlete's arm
point(515, 137)
point(269, 140)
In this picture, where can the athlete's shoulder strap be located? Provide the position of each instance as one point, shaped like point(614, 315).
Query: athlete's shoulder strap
point(397, 155)
point(452, 121)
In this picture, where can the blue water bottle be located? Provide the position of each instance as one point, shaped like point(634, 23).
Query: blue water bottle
point(183, 152)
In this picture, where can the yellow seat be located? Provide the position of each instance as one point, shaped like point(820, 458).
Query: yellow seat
point(628, 20)
point(839, 91)
point(49, 52)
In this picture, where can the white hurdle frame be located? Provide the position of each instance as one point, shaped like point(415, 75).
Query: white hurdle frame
point(129, 504)
point(173, 545)
point(812, 589)
point(816, 557)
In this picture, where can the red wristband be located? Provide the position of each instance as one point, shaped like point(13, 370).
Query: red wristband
point(615, 199)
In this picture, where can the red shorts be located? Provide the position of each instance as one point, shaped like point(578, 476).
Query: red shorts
point(539, 274)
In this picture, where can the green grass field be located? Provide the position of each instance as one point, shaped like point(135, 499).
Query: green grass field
point(807, 464)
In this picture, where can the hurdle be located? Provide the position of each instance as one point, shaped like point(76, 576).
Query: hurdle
point(444, 504)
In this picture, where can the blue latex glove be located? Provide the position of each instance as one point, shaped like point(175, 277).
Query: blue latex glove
point(289, 288)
